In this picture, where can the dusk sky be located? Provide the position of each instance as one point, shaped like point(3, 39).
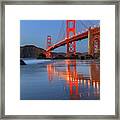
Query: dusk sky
point(35, 32)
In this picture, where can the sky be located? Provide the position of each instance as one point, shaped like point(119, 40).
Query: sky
point(35, 32)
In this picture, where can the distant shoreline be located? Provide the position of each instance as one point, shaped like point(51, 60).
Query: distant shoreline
point(31, 51)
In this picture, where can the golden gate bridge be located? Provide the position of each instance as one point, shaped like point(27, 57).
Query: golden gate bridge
point(71, 37)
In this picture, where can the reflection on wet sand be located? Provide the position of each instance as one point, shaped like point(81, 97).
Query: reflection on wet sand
point(78, 84)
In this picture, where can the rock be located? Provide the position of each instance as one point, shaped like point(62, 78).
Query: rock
point(22, 62)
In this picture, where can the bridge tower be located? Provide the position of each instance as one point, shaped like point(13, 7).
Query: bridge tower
point(70, 30)
point(49, 44)
point(94, 41)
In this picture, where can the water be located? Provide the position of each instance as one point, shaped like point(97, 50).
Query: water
point(34, 61)
point(60, 80)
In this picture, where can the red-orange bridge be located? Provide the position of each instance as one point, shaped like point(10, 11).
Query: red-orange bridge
point(92, 33)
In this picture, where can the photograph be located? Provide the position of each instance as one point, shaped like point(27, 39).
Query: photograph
point(60, 59)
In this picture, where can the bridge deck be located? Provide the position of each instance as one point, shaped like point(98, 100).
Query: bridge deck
point(80, 36)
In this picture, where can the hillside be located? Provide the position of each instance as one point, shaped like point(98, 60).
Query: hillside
point(31, 51)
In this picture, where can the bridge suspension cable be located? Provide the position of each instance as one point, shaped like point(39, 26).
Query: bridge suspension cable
point(86, 24)
point(61, 33)
point(79, 23)
point(90, 23)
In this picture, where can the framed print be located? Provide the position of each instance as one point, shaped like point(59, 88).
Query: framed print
point(60, 59)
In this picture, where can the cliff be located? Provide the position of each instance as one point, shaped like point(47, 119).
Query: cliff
point(31, 51)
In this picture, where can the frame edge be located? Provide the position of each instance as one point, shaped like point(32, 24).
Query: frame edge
point(2, 55)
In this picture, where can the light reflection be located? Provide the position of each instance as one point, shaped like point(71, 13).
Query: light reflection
point(88, 83)
point(76, 81)
point(94, 85)
point(84, 82)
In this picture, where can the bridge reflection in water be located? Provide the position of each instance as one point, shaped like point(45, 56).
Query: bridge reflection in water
point(79, 85)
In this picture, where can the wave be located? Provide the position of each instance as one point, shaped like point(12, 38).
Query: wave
point(35, 61)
